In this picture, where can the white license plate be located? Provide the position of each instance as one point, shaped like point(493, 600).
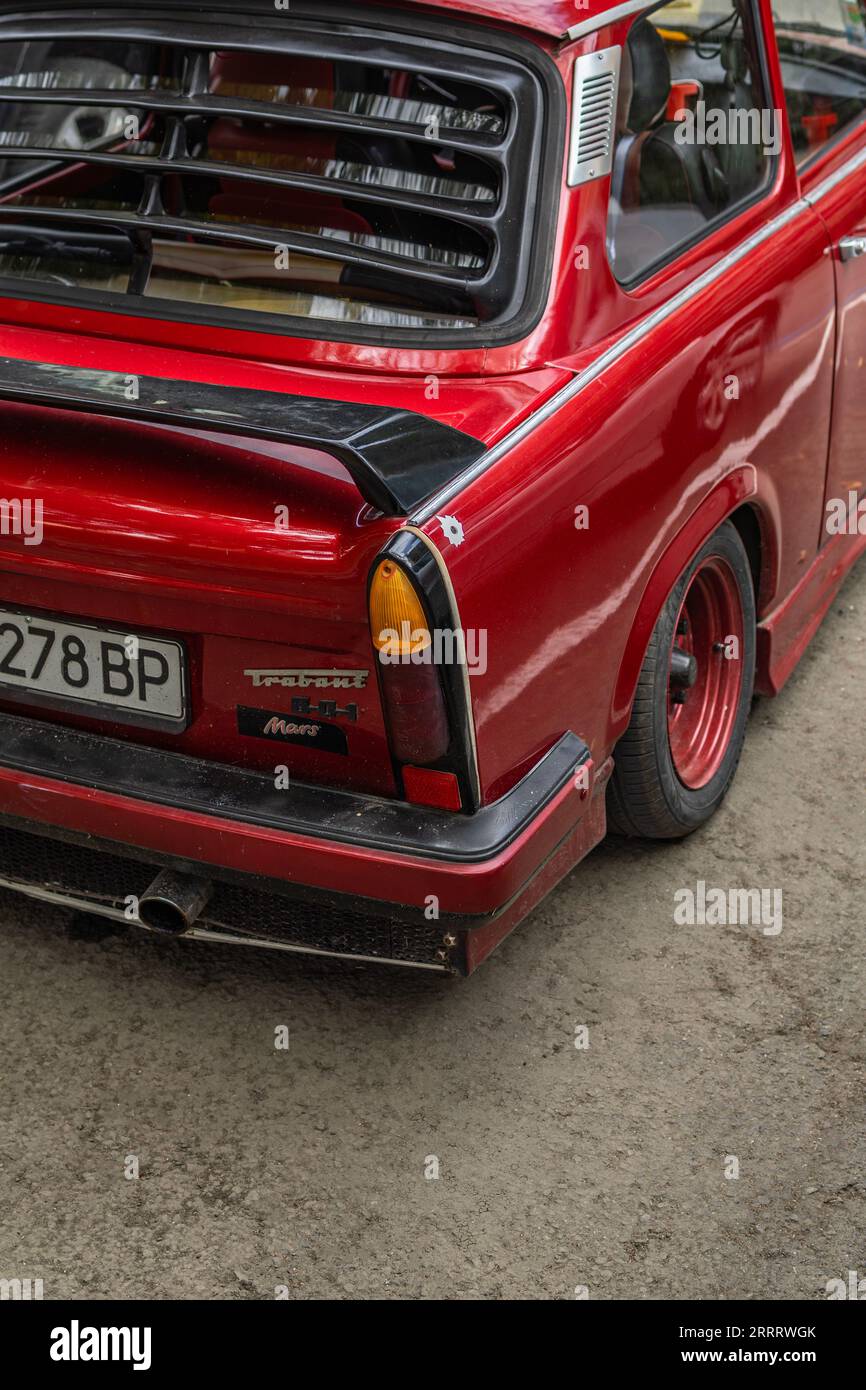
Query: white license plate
point(91, 670)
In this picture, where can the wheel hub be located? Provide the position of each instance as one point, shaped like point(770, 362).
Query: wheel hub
point(705, 673)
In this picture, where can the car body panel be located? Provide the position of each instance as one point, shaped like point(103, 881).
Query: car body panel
point(551, 17)
point(572, 597)
point(483, 404)
point(837, 188)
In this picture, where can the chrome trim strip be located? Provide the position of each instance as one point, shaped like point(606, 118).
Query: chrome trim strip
point(606, 359)
point(46, 895)
point(226, 939)
point(96, 909)
point(833, 180)
point(612, 16)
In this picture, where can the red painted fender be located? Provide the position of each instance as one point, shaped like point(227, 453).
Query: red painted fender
point(725, 497)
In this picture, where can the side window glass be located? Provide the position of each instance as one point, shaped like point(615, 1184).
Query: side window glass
point(695, 133)
point(822, 48)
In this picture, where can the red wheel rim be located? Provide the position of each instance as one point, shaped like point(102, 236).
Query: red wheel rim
point(705, 673)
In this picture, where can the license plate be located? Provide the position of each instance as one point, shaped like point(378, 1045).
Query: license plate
point(128, 677)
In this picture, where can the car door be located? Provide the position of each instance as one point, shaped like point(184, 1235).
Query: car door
point(822, 54)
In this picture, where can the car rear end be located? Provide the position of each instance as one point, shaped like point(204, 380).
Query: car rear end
point(224, 708)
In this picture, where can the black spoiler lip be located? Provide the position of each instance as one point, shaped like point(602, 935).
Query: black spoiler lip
point(397, 458)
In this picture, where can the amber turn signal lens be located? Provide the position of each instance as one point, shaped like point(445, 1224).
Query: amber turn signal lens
point(397, 621)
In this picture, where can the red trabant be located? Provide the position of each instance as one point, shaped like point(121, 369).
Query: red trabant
point(423, 428)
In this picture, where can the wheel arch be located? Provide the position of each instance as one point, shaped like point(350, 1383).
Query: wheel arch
point(734, 497)
point(757, 522)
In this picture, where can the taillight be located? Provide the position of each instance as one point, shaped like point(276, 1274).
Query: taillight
point(423, 674)
point(411, 686)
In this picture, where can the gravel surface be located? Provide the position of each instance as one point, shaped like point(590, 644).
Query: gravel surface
point(600, 1166)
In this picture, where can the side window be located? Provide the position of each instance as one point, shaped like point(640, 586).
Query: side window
point(696, 134)
point(822, 48)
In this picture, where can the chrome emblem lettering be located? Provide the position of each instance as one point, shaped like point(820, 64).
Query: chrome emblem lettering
point(305, 680)
point(284, 727)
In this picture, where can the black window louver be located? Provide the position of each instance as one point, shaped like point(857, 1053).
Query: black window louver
point(322, 177)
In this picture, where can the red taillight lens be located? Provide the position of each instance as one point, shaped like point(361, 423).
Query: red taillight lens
point(427, 787)
point(415, 710)
point(411, 688)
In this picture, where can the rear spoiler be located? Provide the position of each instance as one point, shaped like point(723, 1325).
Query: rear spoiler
point(397, 458)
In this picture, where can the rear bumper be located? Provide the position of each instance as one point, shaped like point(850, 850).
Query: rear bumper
point(308, 842)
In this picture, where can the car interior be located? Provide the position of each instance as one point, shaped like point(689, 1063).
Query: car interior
point(403, 238)
point(667, 182)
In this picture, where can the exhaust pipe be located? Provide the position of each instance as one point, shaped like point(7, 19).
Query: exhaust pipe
point(173, 902)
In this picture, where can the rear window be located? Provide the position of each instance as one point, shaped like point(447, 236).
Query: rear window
point(327, 183)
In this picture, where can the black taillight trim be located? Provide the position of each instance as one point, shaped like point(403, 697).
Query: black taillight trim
point(418, 558)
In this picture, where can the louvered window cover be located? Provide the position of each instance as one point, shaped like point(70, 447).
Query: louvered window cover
point(311, 174)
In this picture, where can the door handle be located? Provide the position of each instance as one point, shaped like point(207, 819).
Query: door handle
point(850, 247)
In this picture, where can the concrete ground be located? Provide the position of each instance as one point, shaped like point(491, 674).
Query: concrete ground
point(560, 1167)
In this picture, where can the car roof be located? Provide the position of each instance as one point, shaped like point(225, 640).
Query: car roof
point(553, 17)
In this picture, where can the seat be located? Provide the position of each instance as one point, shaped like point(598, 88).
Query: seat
point(740, 163)
point(661, 190)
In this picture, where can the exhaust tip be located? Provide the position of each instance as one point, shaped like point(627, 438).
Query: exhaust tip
point(159, 914)
point(173, 903)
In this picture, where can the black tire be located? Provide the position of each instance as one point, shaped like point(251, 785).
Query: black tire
point(646, 795)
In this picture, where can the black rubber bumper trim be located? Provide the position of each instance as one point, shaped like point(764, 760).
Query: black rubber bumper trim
point(235, 794)
point(397, 458)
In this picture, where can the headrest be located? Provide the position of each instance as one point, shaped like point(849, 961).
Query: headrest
point(651, 76)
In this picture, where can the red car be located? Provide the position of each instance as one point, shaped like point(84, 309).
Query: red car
point(423, 427)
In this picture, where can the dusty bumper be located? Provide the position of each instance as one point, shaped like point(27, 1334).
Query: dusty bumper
point(482, 873)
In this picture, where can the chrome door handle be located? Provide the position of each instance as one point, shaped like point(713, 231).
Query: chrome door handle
point(850, 247)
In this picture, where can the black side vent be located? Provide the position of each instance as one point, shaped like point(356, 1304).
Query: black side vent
point(360, 181)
